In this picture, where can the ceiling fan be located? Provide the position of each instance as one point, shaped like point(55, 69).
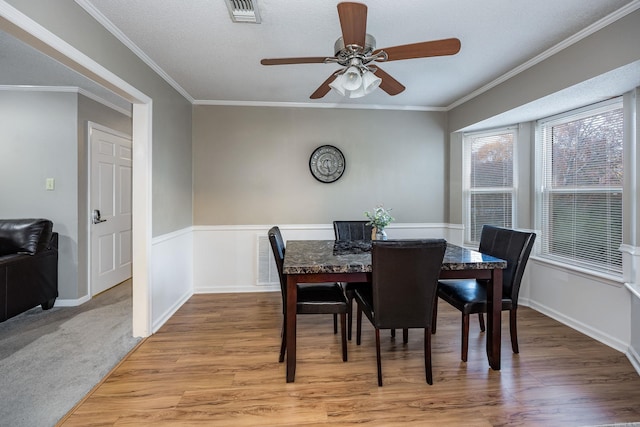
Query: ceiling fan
point(356, 51)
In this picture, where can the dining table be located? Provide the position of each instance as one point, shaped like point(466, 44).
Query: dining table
point(317, 261)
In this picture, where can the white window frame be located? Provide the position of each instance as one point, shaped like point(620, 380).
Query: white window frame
point(543, 158)
point(468, 191)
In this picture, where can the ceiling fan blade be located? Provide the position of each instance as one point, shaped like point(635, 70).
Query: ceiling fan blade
point(423, 49)
point(389, 84)
point(353, 21)
point(285, 61)
point(323, 89)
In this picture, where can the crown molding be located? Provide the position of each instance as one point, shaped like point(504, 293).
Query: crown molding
point(66, 89)
point(596, 26)
point(609, 19)
point(106, 23)
point(317, 105)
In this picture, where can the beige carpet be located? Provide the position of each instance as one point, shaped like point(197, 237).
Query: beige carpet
point(49, 360)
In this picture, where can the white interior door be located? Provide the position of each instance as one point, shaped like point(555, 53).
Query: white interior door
point(110, 204)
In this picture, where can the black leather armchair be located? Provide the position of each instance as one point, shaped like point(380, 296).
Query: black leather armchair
point(28, 265)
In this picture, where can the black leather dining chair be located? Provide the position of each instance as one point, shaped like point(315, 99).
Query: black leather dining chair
point(470, 295)
point(313, 298)
point(347, 231)
point(352, 230)
point(403, 292)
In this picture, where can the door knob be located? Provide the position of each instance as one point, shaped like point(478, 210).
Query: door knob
point(96, 217)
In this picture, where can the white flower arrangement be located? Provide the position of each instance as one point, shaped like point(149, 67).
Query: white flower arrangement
point(380, 218)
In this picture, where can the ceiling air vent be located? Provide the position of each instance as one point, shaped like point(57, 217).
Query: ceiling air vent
point(244, 11)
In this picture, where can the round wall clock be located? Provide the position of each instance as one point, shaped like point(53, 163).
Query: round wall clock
point(327, 163)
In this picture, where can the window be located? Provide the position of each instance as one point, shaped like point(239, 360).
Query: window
point(489, 181)
point(581, 157)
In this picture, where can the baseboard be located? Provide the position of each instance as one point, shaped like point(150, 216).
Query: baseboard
point(71, 302)
point(235, 289)
point(162, 319)
point(634, 358)
point(577, 325)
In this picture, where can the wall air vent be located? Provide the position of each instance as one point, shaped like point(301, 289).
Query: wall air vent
point(244, 11)
point(267, 269)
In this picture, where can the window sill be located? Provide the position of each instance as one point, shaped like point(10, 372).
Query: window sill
point(634, 289)
point(608, 279)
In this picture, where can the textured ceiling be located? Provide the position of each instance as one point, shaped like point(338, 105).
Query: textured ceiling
point(196, 48)
point(215, 60)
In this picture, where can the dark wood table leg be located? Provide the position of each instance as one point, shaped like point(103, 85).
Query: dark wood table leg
point(292, 298)
point(494, 317)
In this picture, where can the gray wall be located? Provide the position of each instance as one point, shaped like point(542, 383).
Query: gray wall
point(44, 136)
point(171, 111)
point(39, 140)
point(251, 165)
point(607, 49)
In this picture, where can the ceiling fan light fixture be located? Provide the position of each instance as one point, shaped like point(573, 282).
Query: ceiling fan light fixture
point(358, 93)
point(352, 79)
point(370, 82)
point(355, 82)
point(338, 84)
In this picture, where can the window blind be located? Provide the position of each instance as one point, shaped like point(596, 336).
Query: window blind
point(582, 181)
point(489, 181)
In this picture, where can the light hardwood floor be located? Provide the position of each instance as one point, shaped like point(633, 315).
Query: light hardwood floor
point(215, 363)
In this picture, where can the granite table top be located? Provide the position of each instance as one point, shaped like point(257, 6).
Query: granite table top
point(329, 256)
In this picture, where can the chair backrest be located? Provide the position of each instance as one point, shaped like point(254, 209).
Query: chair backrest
point(405, 281)
point(278, 248)
point(352, 230)
point(512, 246)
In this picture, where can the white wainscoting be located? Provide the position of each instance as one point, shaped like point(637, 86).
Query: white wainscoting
point(171, 274)
point(596, 307)
point(226, 257)
point(631, 263)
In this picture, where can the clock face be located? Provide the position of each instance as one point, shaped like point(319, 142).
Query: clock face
point(327, 163)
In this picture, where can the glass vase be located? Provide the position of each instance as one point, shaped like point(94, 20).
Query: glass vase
point(378, 234)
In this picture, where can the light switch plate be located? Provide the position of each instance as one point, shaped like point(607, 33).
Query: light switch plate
point(50, 184)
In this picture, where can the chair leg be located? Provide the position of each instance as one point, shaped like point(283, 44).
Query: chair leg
point(343, 333)
point(359, 326)
point(481, 320)
point(378, 357)
point(350, 297)
point(465, 337)
point(405, 335)
point(514, 330)
point(427, 356)
point(283, 344)
point(393, 333)
point(335, 323)
point(435, 316)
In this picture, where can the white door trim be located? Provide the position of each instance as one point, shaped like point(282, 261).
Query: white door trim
point(24, 28)
point(91, 127)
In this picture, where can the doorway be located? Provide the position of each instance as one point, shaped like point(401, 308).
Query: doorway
point(23, 28)
point(110, 167)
